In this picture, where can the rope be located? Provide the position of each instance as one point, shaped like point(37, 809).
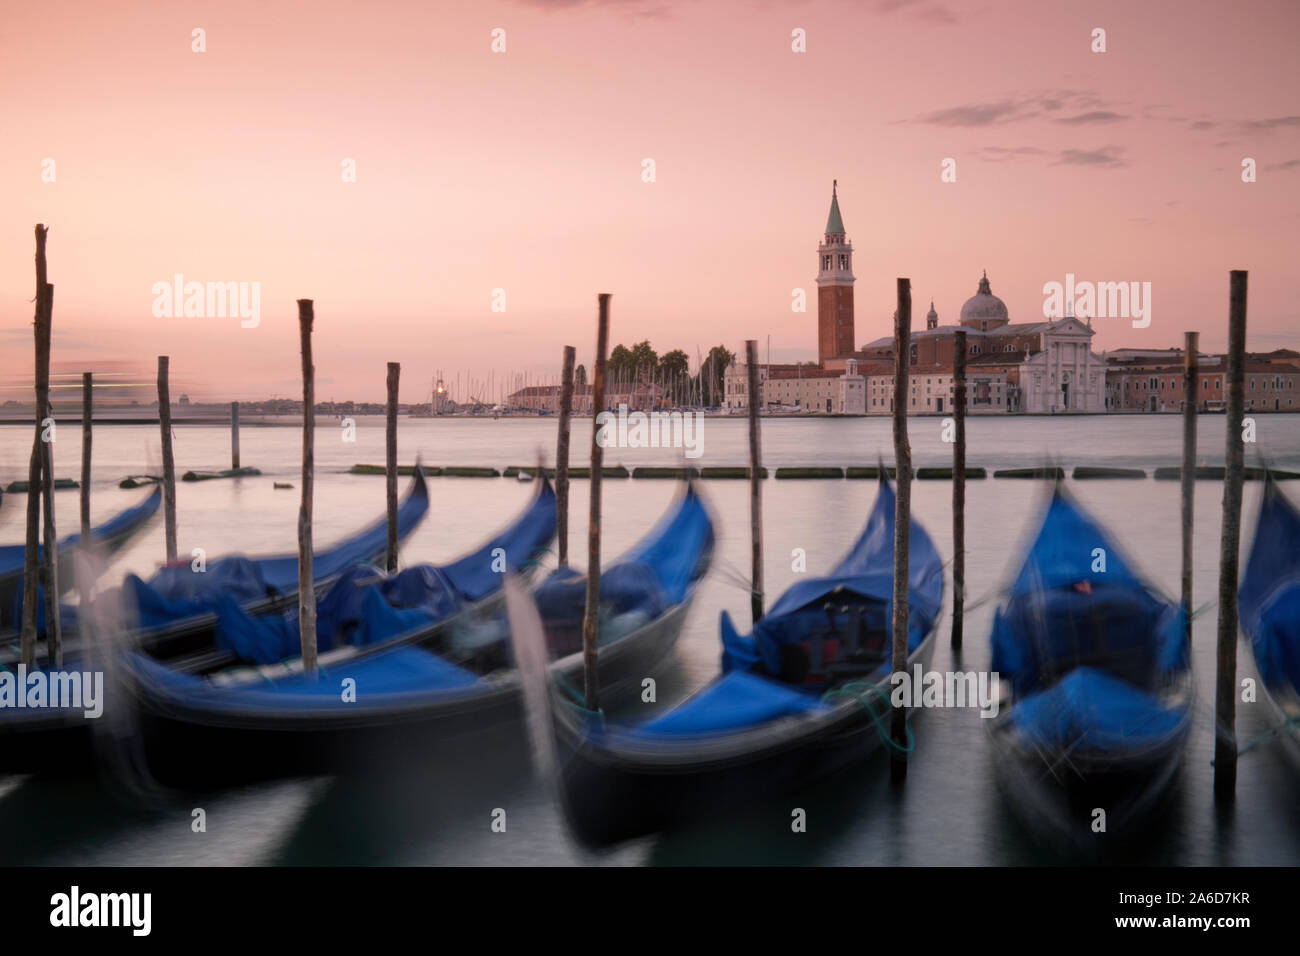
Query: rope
point(536, 560)
point(1267, 735)
point(860, 691)
point(733, 575)
point(575, 698)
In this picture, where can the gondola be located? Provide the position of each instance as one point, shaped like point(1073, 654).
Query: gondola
point(1269, 602)
point(416, 684)
point(803, 696)
point(107, 539)
point(1096, 684)
point(176, 607)
point(174, 613)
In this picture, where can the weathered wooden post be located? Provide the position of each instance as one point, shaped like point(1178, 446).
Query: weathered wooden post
point(755, 483)
point(1225, 698)
point(390, 471)
point(562, 456)
point(169, 463)
point(1188, 476)
point(87, 417)
point(83, 563)
point(234, 436)
point(902, 519)
point(306, 575)
point(958, 485)
point(35, 466)
point(49, 536)
point(591, 613)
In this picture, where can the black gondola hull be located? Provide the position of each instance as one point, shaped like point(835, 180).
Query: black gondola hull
point(611, 794)
point(193, 750)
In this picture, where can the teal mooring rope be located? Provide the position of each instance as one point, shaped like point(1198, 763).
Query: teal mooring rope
point(861, 691)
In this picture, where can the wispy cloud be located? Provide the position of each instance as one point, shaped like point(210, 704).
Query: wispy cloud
point(973, 114)
point(1276, 122)
point(1288, 164)
point(643, 9)
point(1106, 156)
point(1002, 154)
point(1096, 116)
point(1012, 109)
point(920, 9)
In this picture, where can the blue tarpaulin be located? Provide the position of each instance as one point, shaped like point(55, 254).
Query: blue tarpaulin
point(399, 675)
point(1088, 710)
point(1088, 648)
point(863, 581)
point(1270, 592)
point(736, 701)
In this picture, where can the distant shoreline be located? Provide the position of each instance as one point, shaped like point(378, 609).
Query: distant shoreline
point(287, 421)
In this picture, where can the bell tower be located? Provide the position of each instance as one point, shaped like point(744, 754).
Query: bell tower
point(834, 287)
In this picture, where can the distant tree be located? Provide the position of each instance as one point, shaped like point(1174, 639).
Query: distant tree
point(645, 360)
point(674, 375)
point(715, 367)
point(620, 362)
point(673, 365)
point(580, 375)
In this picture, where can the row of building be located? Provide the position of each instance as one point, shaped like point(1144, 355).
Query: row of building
point(1040, 368)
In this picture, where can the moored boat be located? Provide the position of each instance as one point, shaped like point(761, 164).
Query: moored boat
point(1096, 685)
point(1269, 603)
point(174, 613)
point(804, 695)
point(106, 540)
point(417, 681)
point(176, 606)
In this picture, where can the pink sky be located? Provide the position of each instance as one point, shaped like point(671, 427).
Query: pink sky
point(522, 171)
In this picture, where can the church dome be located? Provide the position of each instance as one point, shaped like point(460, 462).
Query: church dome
point(983, 307)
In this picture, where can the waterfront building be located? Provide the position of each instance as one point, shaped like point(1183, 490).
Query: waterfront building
point(1151, 380)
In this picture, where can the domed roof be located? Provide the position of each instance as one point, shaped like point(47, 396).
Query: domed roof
point(983, 306)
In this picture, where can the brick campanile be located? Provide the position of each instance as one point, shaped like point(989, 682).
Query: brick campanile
point(834, 287)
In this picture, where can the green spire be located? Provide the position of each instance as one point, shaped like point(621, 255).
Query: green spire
point(834, 224)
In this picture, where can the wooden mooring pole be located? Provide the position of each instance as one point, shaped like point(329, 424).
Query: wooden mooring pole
point(306, 574)
point(49, 536)
point(390, 472)
point(755, 483)
point(87, 419)
point(902, 520)
point(562, 455)
point(958, 485)
point(85, 546)
point(1188, 475)
point(35, 465)
point(591, 613)
point(169, 463)
point(1225, 697)
point(234, 436)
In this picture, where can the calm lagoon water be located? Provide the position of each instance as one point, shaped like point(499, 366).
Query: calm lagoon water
point(949, 811)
